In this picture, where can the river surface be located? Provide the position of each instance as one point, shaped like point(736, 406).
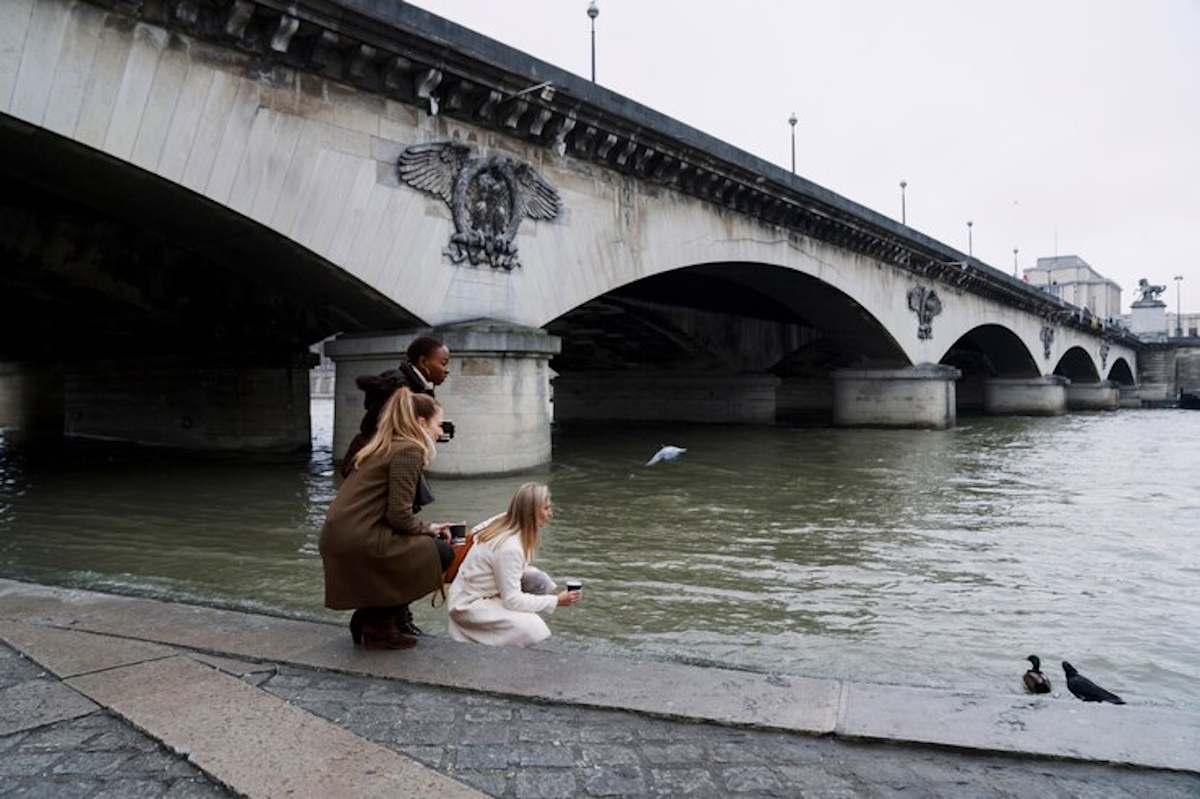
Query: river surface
point(902, 557)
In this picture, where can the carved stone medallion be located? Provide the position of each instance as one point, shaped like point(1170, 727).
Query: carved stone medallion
point(1047, 336)
point(1104, 355)
point(926, 303)
point(487, 196)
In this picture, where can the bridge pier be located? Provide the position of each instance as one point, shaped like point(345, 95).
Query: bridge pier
point(804, 400)
point(703, 397)
point(1101, 396)
point(1026, 396)
point(31, 397)
point(917, 396)
point(497, 396)
point(230, 407)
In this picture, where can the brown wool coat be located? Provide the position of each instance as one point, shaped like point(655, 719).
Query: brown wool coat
point(375, 550)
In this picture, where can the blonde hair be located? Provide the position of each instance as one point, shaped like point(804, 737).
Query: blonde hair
point(398, 421)
point(521, 519)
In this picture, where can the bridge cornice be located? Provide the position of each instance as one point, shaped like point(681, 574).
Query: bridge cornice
point(406, 54)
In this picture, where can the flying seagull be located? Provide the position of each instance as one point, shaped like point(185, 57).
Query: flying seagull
point(1087, 690)
point(1035, 681)
point(667, 453)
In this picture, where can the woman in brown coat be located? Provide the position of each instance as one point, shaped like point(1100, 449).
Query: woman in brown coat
point(378, 556)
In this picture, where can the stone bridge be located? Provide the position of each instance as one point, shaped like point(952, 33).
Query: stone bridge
point(196, 191)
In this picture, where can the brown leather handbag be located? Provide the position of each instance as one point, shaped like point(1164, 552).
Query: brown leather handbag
point(460, 552)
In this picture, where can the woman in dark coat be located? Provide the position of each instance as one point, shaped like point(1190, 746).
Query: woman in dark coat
point(378, 556)
point(427, 367)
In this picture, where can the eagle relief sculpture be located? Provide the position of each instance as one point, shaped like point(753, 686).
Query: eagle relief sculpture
point(487, 196)
point(927, 304)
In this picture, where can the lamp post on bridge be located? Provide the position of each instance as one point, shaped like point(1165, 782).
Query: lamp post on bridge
point(1178, 314)
point(792, 121)
point(970, 241)
point(1014, 261)
point(903, 209)
point(593, 12)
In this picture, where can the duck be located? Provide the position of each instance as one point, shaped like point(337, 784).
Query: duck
point(1087, 690)
point(1035, 681)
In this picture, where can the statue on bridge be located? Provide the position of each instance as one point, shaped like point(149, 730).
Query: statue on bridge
point(488, 197)
point(1149, 293)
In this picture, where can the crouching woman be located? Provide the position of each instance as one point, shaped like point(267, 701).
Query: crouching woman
point(378, 555)
point(486, 602)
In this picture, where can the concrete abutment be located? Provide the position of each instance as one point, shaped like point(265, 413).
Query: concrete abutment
point(1026, 396)
point(31, 397)
point(219, 407)
point(698, 397)
point(918, 396)
point(1101, 396)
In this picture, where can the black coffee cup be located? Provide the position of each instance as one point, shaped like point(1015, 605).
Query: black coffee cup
point(574, 585)
point(458, 531)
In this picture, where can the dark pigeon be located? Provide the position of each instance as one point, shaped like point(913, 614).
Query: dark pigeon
point(1035, 681)
point(1087, 690)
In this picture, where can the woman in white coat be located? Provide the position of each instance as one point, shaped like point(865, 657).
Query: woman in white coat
point(486, 602)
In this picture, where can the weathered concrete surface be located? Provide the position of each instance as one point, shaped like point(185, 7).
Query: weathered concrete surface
point(71, 652)
point(1041, 725)
point(95, 755)
point(194, 627)
point(534, 723)
point(724, 696)
point(255, 743)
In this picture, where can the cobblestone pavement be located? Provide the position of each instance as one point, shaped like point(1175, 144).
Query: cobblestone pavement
point(97, 756)
point(514, 748)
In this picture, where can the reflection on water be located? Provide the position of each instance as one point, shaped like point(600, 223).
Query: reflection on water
point(927, 558)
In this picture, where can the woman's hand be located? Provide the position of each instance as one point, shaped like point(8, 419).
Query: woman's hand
point(569, 598)
point(440, 530)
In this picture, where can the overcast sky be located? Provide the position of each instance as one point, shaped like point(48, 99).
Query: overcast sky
point(1068, 127)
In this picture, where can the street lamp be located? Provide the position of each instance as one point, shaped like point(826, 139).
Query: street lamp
point(1178, 315)
point(592, 13)
point(970, 242)
point(792, 121)
point(1014, 261)
point(903, 210)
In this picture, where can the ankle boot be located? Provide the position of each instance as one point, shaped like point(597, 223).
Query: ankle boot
point(405, 623)
point(356, 625)
point(379, 632)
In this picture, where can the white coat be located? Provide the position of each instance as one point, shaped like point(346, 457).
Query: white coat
point(486, 604)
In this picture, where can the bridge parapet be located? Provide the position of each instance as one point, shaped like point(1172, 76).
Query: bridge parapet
point(408, 55)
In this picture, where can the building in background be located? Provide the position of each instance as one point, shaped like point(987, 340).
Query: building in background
point(1073, 280)
point(1190, 327)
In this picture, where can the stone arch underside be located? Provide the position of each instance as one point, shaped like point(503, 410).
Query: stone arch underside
point(731, 317)
point(985, 352)
point(1078, 366)
point(724, 326)
point(103, 260)
point(1121, 374)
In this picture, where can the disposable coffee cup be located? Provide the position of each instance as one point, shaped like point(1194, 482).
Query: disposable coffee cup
point(574, 585)
point(458, 531)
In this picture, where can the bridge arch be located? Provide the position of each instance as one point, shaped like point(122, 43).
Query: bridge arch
point(1077, 365)
point(715, 332)
point(139, 266)
point(754, 315)
point(983, 353)
point(991, 350)
point(1121, 374)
